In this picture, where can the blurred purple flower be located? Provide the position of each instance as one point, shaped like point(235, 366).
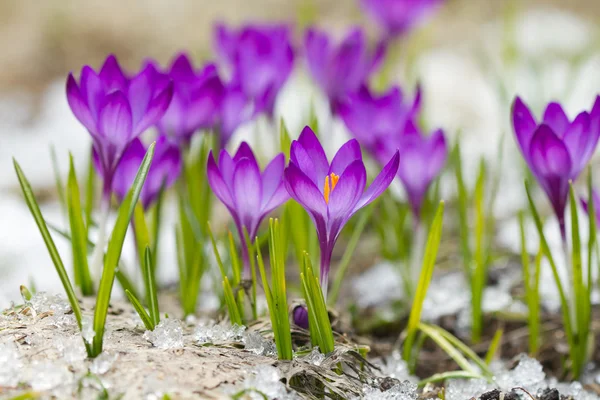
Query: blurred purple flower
point(261, 59)
point(164, 170)
point(331, 192)
point(248, 195)
point(300, 316)
point(196, 100)
point(236, 109)
point(116, 109)
point(372, 119)
point(340, 69)
point(399, 16)
point(556, 149)
point(596, 200)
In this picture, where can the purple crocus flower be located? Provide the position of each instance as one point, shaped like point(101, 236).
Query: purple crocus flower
point(372, 119)
point(261, 59)
point(248, 194)
point(332, 192)
point(556, 149)
point(196, 100)
point(343, 68)
point(399, 16)
point(300, 316)
point(236, 109)
point(164, 170)
point(116, 109)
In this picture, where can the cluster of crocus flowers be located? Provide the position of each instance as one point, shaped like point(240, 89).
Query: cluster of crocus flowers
point(197, 99)
point(399, 16)
point(116, 109)
point(332, 192)
point(340, 69)
point(386, 123)
point(248, 194)
point(164, 170)
point(260, 59)
point(556, 149)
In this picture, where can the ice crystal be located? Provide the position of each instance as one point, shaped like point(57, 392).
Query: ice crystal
point(87, 329)
point(394, 366)
point(48, 375)
point(103, 363)
point(10, 364)
point(254, 342)
point(72, 349)
point(402, 391)
point(219, 333)
point(168, 334)
point(315, 357)
point(528, 374)
point(459, 389)
point(42, 302)
point(266, 380)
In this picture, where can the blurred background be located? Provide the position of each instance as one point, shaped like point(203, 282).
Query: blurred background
point(471, 58)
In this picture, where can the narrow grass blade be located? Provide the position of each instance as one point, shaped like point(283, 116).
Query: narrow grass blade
point(429, 258)
point(234, 313)
point(146, 319)
point(25, 293)
point(346, 258)
point(60, 188)
point(113, 253)
point(479, 276)
point(463, 199)
point(531, 288)
point(448, 348)
point(216, 252)
point(54, 255)
point(141, 234)
point(444, 376)
point(126, 282)
point(151, 290)
point(79, 246)
point(494, 346)
point(89, 192)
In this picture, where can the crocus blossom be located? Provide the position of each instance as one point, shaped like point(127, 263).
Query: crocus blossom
point(300, 316)
point(236, 109)
point(399, 16)
point(196, 100)
point(332, 192)
point(164, 170)
point(260, 57)
point(373, 118)
point(556, 149)
point(116, 109)
point(422, 158)
point(248, 194)
point(340, 69)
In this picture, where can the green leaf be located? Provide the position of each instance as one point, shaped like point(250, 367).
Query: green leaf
point(234, 314)
point(79, 246)
point(463, 199)
point(431, 250)
point(151, 291)
point(444, 376)
point(89, 192)
point(58, 180)
point(479, 275)
point(54, 255)
point(285, 141)
point(113, 253)
point(146, 319)
point(494, 345)
point(25, 293)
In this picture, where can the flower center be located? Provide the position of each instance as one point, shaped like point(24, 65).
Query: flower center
point(330, 181)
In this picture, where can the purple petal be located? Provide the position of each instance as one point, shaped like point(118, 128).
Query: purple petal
point(549, 155)
point(317, 49)
point(112, 75)
point(304, 191)
point(438, 155)
point(79, 106)
point(524, 125)
point(348, 190)
point(91, 89)
point(165, 169)
point(300, 157)
point(225, 42)
point(381, 182)
point(300, 316)
point(181, 68)
point(581, 142)
point(244, 151)
point(555, 117)
point(156, 109)
point(311, 144)
point(115, 123)
point(280, 196)
point(226, 166)
point(272, 178)
point(247, 192)
point(140, 93)
point(217, 184)
point(127, 168)
point(346, 155)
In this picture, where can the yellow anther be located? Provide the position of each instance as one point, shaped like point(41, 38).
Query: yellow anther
point(330, 185)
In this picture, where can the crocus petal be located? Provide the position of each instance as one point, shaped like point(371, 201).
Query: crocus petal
point(112, 75)
point(247, 192)
point(438, 155)
point(279, 197)
point(348, 190)
point(156, 109)
point(79, 105)
point(381, 182)
point(219, 187)
point(225, 42)
point(182, 67)
point(549, 155)
point(244, 151)
point(555, 117)
point(165, 169)
point(300, 157)
point(127, 168)
point(272, 178)
point(92, 90)
point(315, 151)
point(316, 44)
point(140, 93)
point(304, 191)
point(346, 155)
point(581, 142)
point(524, 125)
point(115, 121)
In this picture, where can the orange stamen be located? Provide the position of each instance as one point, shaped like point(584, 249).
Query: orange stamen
point(329, 187)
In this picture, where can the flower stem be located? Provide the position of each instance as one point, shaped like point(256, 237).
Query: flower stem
point(325, 266)
point(416, 256)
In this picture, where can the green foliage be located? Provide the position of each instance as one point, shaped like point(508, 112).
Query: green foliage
point(532, 292)
point(276, 293)
point(431, 250)
point(113, 253)
point(318, 318)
